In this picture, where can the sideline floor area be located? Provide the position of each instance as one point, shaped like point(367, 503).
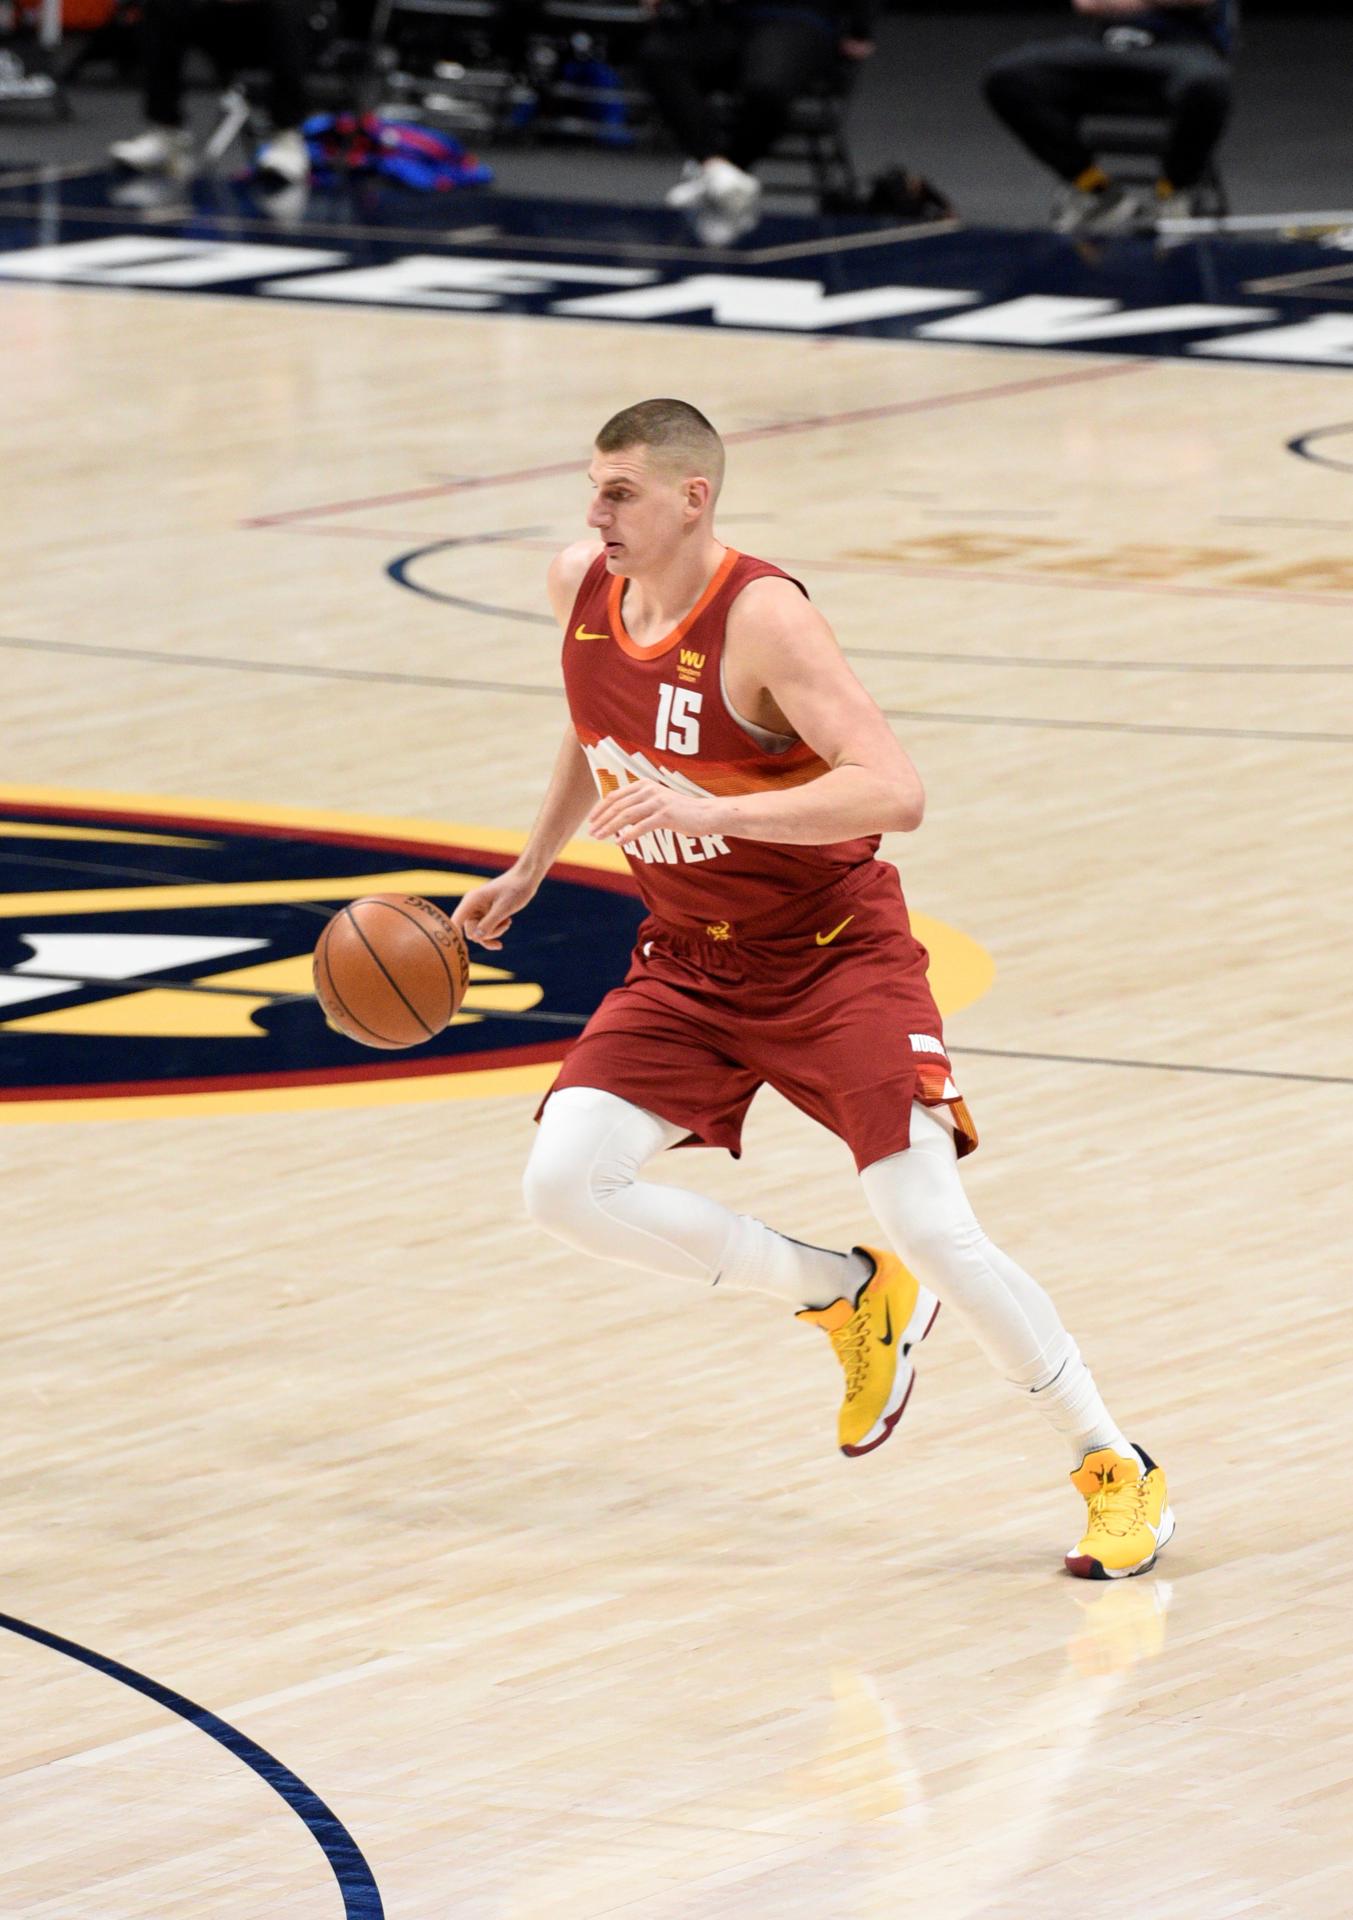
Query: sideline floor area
point(1258, 298)
point(918, 103)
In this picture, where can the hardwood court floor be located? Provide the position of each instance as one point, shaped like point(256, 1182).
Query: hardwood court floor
point(547, 1580)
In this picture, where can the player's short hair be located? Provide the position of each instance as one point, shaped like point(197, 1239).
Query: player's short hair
point(676, 433)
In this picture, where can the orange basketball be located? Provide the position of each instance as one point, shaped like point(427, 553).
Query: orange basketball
point(390, 970)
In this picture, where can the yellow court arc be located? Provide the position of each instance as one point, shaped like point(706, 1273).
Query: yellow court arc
point(961, 969)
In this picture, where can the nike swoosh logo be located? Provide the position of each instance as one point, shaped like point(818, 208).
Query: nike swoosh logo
point(580, 633)
point(886, 1337)
point(825, 939)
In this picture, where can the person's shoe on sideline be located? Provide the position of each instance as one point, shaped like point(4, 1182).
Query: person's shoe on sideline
point(154, 150)
point(716, 184)
point(689, 190)
point(284, 158)
point(1094, 204)
point(730, 189)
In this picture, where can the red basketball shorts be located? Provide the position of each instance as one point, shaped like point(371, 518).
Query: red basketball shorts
point(832, 1008)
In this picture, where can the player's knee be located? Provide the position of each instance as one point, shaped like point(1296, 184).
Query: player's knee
point(588, 1151)
point(554, 1192)
point(566, 1192)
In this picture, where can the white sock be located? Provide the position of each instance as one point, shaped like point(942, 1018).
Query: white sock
point(756, 1259)
point(919, 1200)
point(581, 1185)
point(1071, 1405)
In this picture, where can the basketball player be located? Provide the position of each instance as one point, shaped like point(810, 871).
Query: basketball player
point(748, 775)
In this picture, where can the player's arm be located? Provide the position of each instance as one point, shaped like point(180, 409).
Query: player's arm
point(572, 789)
point(780, 644)
point(486, 914)
point(784, 645)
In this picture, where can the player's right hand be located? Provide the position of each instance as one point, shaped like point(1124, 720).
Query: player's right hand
point(485, 915)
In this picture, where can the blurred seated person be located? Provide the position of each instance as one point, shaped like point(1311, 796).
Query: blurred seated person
point(1171, 57)
point(765, 53)
point(277, 28)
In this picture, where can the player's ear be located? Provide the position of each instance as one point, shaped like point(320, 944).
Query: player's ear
point(698, 494)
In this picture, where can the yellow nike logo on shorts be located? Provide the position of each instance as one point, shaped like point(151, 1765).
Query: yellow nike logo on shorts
point(580, 633)
point(825, 939)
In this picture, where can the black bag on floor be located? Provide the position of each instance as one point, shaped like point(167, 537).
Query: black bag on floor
point(903, 195)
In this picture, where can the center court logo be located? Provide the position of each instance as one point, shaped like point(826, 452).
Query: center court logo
point(155, 958)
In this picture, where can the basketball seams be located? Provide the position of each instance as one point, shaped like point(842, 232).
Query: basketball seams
point(378, 1038)
point(386, 974)
point(389, 978)
point(402, 906)
point(322, 955)
point(415, 920)
point(458, 944)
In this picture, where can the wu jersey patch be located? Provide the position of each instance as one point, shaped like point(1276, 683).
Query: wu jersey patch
point(155, 957)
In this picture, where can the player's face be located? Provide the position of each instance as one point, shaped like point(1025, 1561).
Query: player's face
point(639, 511)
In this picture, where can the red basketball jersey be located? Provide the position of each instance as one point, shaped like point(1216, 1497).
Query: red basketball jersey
point(660, 713)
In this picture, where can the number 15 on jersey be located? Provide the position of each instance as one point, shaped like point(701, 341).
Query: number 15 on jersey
point(678, 722)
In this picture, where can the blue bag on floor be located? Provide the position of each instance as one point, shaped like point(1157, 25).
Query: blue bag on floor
point(343, 144)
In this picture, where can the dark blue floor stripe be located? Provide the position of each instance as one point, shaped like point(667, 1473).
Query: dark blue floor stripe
point(401, 567)
point(361, 1896)
point(1303, 443)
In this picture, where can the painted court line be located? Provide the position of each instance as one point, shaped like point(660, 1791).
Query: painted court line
point(543, 690)
point(1040, 661)
point(1159, 1066)
point(810, 423)
point(356, 1884)
point(1078, 582)
point(1157, 728)
point(901, 569)
point(848, 243)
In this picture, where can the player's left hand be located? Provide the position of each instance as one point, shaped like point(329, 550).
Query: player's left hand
point(640, 805)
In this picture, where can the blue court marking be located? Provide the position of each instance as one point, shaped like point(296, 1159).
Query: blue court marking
point(400, 571)
point(361, 1896)
point(1303, 443)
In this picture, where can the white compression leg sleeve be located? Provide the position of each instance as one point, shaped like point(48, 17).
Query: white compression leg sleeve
point(581, 1185)
point(919, 1200)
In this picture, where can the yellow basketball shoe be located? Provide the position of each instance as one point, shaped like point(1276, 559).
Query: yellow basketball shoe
point(1129, 1516)
point(873, 1338)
